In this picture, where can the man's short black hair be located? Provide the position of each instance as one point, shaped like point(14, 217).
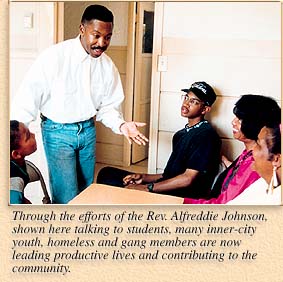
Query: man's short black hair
point(97, 12)
point(14, 135)
point(256, 111)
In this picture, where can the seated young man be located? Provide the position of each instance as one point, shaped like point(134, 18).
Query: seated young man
point(22, 144)
point(194, 161)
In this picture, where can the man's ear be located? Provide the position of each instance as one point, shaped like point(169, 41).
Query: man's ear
point(206, 110)
point(82, 29)
point(276, 160)
point(15, 155)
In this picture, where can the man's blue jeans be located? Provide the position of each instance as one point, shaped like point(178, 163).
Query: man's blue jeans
point(70, 154)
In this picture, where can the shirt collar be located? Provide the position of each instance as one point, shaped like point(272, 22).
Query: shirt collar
point(80, 52)
point(188, 128)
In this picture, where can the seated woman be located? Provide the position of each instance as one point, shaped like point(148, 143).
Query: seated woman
point(267, 162)
point(252, 112)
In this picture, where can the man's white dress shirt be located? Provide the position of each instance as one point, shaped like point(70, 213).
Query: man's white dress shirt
point(67, 85)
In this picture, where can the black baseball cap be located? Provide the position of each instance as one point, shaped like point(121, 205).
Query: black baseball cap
point(203, 91)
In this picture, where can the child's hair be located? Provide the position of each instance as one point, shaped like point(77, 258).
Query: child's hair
point(14, 135)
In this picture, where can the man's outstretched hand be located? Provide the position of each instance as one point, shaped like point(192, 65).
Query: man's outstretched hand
point(131, 132)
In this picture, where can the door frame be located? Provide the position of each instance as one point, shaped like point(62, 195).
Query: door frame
point(155, 88)
point(155, 83)
point(142, 80)
point(129, 88)
point(58, 22)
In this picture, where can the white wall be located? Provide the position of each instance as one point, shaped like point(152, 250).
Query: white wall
point(25, 45)
point(234, 46)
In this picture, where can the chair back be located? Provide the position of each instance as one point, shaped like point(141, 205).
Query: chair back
point(35, 175)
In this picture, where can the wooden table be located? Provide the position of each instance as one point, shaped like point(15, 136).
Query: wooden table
point(104, 194)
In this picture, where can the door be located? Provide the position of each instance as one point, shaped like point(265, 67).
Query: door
point(142, 70)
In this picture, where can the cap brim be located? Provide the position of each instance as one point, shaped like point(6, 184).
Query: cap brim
point(199, 94)
point(185, 90)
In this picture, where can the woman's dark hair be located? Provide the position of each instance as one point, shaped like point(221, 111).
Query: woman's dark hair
point(97, 12)
point(273, 140)
point(14, 135)
point(255, 111)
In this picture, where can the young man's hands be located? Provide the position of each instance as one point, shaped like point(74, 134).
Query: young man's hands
point(135, 178)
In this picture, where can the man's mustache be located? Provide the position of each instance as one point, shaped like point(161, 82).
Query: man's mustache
point(99, 48)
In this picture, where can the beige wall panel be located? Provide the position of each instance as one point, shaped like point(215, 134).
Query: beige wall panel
point(170, 112)
point(221, 47)
point(30, 39)
point(231, 76)
point(222, 20)
point(232, 148)
point(72, 18)
point(109, 154)
point(119, 56)
point(164, 149)
point(184, 69)
point(221, 115)
point(18, 66)
point(26, 43)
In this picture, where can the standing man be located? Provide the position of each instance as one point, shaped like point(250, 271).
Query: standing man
point(194, 161)
point(70, 83)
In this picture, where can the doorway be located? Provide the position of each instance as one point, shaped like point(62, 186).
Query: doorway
point(131, 51)
point(144, 25)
